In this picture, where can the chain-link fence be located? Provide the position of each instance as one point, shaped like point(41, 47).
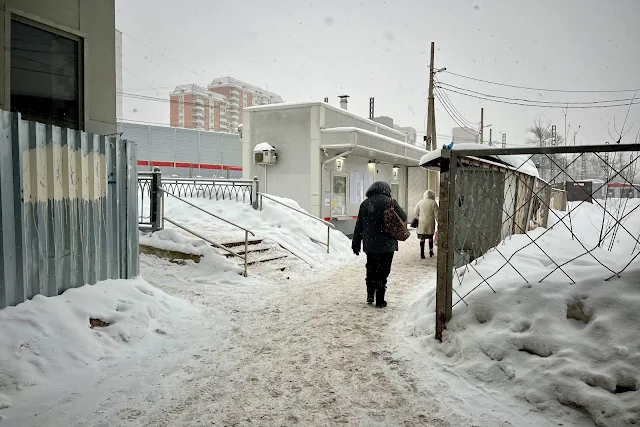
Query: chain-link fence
point(498, 206)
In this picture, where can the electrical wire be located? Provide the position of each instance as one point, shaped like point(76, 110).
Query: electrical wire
point(165, 56)
point(152, 98)
point(448, 100)
point(560, 103)
point(143, 81)
point(540, 89)
point(540, 105)
point(453, 117)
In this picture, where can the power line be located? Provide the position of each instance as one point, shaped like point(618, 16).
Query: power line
point(130, 72)
point(453, 116)
point(539, 105)
point(165, 56)
point(132, 121)
point(540, 89)
point(448, 100)
point(560, 103)
point(152, 98)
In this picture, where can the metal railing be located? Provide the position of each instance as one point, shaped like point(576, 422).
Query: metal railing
point(218, 189)
point(246, 231)
point(152, 186)
point(328, 224)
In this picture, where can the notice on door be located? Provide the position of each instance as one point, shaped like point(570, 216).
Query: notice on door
point(327, 198)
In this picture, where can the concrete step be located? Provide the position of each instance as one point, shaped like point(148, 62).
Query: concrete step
point(236, 243)
point(259, 247)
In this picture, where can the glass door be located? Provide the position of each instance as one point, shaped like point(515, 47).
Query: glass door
point(338, 195)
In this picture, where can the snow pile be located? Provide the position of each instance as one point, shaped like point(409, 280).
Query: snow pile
point(552, 343)
point(520, 162)
point(46, 339)
point(172, 240)
point(290, 229)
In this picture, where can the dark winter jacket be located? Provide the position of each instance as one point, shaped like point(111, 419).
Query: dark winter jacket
point(368, 230)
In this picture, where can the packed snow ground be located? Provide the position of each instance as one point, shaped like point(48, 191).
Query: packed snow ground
point(226, 350)
point(250, 352)
point(553, 343)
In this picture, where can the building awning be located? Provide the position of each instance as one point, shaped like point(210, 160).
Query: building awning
point(371, 145)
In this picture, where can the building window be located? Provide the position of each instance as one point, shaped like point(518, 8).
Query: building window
point(45, 78)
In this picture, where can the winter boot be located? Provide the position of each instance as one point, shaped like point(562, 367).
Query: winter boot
point(422, 250)
point(380, 302)
point(370, 293)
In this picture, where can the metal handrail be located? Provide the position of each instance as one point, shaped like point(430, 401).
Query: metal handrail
point(328, 224)
point(207, 212)
point(217, 245)
point(246, 231)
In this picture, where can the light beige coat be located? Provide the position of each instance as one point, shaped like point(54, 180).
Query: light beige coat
point(427, 212)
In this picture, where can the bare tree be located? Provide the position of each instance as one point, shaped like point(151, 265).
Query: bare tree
point(540, 134)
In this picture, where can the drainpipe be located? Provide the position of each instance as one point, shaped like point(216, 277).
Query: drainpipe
point(322, 181)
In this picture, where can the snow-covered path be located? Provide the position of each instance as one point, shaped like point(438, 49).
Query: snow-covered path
point(310, 351)
point(298, 351)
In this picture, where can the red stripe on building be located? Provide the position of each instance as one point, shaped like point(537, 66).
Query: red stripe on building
point(207, 166)
point(163, 164)
point(189, 165)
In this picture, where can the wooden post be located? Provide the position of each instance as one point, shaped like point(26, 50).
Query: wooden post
point(444, 279)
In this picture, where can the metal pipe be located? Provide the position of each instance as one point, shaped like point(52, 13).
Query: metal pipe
point(207, 212)
point(328, 237)
point(217, 245)
point(563, 149)
point(328, 224)
point(246, 251)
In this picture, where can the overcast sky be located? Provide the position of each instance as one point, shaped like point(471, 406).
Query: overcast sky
point(307, 50)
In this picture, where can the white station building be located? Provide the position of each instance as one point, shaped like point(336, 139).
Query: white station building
point(325, 158)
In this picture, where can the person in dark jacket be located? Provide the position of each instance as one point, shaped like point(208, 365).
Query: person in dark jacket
point(378, 245)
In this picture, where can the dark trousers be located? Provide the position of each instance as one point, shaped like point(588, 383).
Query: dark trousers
point(378, 269)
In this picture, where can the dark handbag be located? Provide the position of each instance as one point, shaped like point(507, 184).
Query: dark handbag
point(393, 225)
point(414, 223)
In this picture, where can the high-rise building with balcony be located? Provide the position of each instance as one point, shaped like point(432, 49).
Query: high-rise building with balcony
point(240, 95)
point(218, 107)
point(195, 107)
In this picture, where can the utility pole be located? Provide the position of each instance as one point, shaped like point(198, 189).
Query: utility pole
point(431, 121)
point(482, 126)
point(490, 137)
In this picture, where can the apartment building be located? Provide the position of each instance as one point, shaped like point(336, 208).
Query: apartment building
point(195, 107)
point(240, 95)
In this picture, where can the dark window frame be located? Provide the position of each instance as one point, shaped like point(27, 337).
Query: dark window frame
point(80, 65)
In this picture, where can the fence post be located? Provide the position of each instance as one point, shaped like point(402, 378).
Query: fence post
point(156, 199)
point(254, 192)
point(446, 230)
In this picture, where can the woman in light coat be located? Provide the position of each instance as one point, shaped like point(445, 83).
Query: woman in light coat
point(426, 211)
